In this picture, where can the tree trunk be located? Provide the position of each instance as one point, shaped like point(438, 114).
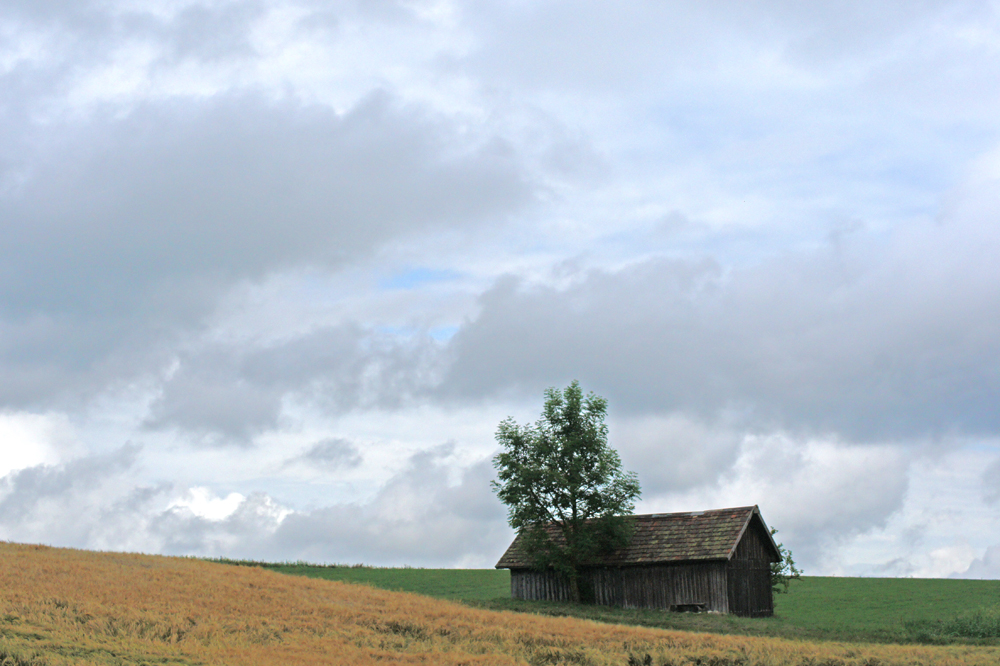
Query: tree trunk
point(574, 585)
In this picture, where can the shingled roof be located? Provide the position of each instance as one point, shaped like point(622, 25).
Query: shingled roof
point(667, 537)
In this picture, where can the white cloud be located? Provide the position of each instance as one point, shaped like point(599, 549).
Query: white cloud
point(819, 493)
point(987, 566)
point(420, 515)
point(202, 503)
point(27, 440)
point(947, 561)
point(943, 522)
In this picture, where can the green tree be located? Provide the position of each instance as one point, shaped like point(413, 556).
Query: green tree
point(559, 477)
point(784, 571)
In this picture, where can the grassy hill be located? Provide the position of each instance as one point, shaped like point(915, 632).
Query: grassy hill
point(900, 610)
point(60, 606)
point(455, 584)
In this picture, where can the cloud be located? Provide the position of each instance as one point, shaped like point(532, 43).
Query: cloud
point(200, 502)
point(30, 439)
point(879, 336)
point(820, 494)
point(987, 566)
point(673, 453)
point(212, 32)
point(125, 233)
point(333, 453)
point(649, 49)
point(94, 502)
point(991, 482)
point(419, 518)
point(235, 187)
point(63, 501)
point(245, 532)
point(433, 512)
point(227, 392)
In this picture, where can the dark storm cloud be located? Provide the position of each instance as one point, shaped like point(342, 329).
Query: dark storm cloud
point(871, 339)
point(124, 232)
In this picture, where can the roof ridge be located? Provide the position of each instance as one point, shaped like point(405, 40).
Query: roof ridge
point(693, 513)
point(666, 537)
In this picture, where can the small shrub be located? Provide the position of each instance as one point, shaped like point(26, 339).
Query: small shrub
point(981, 623)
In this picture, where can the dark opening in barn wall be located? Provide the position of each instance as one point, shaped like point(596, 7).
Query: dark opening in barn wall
point(707, 560)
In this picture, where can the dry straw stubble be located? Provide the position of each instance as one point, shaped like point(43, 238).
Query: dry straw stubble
point(67, 606)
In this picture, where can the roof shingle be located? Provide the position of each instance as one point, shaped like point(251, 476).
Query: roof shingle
point(664, 537)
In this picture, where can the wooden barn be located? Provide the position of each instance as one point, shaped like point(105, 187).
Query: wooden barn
point(702, 561)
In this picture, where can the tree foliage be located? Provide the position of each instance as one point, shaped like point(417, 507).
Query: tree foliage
point(784, 571)
point(566, 493)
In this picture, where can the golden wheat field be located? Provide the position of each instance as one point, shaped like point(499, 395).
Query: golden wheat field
point(61, 606)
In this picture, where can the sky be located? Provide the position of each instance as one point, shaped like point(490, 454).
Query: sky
point(273, 271)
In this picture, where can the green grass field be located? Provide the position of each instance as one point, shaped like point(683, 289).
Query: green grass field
point(892, 610)
point(456, 584)
point(885, 610)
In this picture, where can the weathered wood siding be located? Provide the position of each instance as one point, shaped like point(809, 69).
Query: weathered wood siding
point(749, 574)
point(660, 586)
point(538, 585)
point(667, 586)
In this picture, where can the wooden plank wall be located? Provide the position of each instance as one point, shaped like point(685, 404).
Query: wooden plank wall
point(750, 588)
point(538, 585)
point(662, 586)
point(749, 575)
point(754, 544)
